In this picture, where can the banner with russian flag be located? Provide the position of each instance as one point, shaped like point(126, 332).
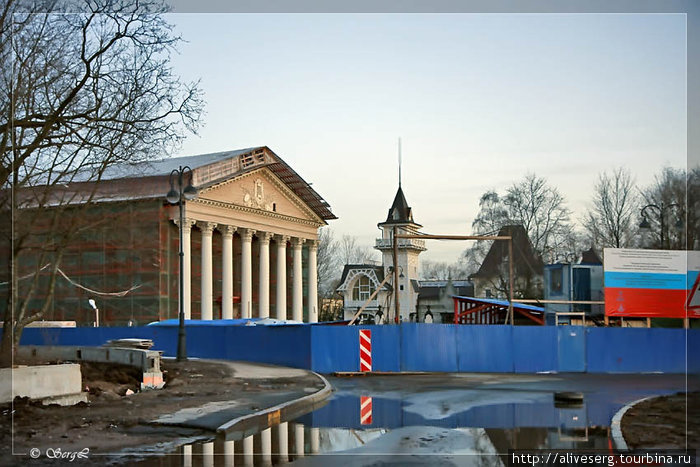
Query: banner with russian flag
point(651, 283)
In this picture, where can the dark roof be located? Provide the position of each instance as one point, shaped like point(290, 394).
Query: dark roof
point(399, 212)
point(590, 257)
point(526, 261)
point(433, 289)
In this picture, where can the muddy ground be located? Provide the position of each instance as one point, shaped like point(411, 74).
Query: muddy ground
point(112, 420)
point(661, 422)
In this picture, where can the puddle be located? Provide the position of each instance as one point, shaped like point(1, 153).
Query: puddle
point(371, 421)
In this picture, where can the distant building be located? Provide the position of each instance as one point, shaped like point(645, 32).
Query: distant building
point(492, 278)
point(435, 302)
point(581, 281)
point(359, 281)
point(357, 285)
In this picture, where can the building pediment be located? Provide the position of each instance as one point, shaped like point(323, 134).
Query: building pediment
point(263, 192)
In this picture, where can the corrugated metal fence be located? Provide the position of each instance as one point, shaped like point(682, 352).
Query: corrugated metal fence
point(419, 347)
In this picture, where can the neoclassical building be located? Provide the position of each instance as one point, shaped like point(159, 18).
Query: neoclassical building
point(250, 242)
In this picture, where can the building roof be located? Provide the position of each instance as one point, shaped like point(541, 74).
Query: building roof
point(399, 212)
point(526, 261)
point(378, 271)
point(590, 257)
point(167, 165)
point(432, 289)
point(207, 170)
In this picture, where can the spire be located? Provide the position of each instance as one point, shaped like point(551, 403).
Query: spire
point(399, 163)
point(399, 212)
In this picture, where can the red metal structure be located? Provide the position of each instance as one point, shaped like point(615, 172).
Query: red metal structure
point(470, 310)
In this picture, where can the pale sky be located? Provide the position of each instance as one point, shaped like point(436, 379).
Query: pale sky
point(478, 100)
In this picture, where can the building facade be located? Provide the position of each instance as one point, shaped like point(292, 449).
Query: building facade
point(250, 242)
point(581, 281)
point(435, 302)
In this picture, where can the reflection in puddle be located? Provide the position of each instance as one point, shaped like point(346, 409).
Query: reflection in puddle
point(436, 425)
point(363, 425)
point(278, 444)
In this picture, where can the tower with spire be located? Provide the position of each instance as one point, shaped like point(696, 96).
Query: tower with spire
point(400, 221)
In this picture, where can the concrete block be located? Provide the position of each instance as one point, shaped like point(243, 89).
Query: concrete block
point(148, 361)
point(41, 381)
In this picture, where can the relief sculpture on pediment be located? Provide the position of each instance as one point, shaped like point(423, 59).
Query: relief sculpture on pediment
point(257, 199)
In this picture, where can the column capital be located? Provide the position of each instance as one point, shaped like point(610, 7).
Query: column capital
point(187, 224)
point(264, 237)
point(297, 242)
point(226, 230)
point(206, 227)
point(246, 234)
point(313, 244)
point(282, 238)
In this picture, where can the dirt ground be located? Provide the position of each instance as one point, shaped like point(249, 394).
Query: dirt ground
point(112, 420)
point(661, 422)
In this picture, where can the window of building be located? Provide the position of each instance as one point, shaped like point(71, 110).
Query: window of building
point(362, 289)
point(555, 278)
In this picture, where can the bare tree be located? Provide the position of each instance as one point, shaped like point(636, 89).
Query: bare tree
point(541, 209)
point(532, 203)
point(351, 253)
point(328, 263)
point(611, 221)
point(82, 91)
point(439, 270)
point(671, 224)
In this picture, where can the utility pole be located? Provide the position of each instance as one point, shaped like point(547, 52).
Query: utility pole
point(510, 276)
point(395, 254)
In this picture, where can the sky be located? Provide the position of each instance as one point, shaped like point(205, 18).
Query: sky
point(478, 100)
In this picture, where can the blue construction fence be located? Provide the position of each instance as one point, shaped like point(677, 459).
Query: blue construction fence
point(417, 346)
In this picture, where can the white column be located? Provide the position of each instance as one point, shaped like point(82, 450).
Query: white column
point(187, 260)
point(248, 450)
point(246, 273)
point(207, 229)
point(281, 307)
point(297, 291)
point(208, 454)
point(282, 440)
point(315, 435)
point(266, 446)
point(299, 440)
point(264, 293)
point(187, 456)
point(227, 271)
point(313, 282)
point(229, 453)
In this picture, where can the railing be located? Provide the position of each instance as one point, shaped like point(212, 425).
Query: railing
point(403, 243)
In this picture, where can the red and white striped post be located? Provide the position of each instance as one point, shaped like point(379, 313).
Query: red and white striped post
point(365, 410)
point(365, 350)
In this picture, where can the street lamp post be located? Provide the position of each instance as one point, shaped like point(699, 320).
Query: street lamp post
point(661, 211)
point(178, 196)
